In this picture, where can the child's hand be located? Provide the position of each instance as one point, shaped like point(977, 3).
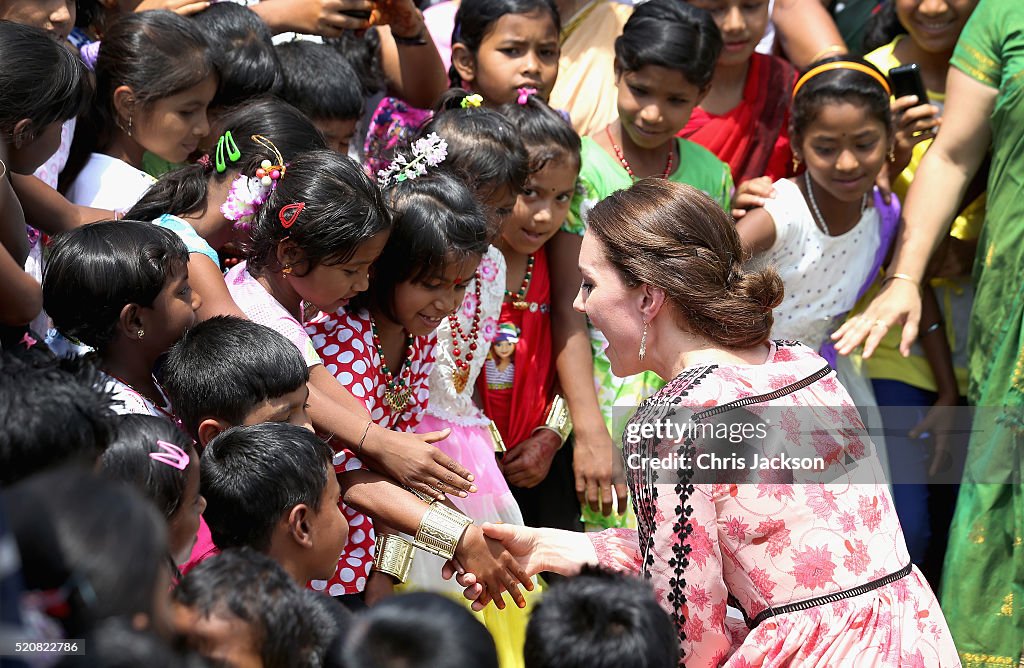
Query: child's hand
point(527, 464)
point(752, 194)
point(914, 123)
point(327, 18)
point(401, 15)
point(413, 462)
point(378, 587)
point(938, 425)
point(182, 7)
point(492, 567)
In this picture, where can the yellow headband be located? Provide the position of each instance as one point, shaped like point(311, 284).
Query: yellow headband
point(842, 65)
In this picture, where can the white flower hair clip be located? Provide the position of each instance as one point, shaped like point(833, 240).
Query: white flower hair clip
point(429, 151)
point(248, 193)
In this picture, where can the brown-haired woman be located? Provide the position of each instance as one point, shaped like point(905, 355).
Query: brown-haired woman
point(750, 472)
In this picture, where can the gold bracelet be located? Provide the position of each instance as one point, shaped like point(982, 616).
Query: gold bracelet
point(393, 556)
point(441, 530)
point(558, 419)
point(902, 277)
point(499, 442)
point(832, 48)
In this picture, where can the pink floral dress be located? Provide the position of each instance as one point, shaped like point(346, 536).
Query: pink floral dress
point(762, 539)
point(344, 340)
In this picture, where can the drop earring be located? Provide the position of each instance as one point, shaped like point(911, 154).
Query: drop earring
point(892, 154)
point(796, 162)
point(643, 342)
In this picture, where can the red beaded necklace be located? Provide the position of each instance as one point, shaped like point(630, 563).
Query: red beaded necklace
point(398, 393)
point(460, 374)
point(518, 298)
point(625, 164)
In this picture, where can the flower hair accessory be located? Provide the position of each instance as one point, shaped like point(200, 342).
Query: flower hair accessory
point(428, 151)
point(248, 193)
point(172, 455)
point(472, 101)
point(524, 95)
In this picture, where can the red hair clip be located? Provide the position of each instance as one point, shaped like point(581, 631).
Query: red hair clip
point(290, 213)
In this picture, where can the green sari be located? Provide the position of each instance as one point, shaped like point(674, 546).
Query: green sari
point(983, 579)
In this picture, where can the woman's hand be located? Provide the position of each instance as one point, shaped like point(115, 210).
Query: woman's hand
point(413, 462)
point(939, 423)
point(494, 569)
point(403, 17)
point(898, 303)
point(751, 194)
point(327, 18)
point(182, 7)
point(527, 464)
point(914, 124)
point(597, 468)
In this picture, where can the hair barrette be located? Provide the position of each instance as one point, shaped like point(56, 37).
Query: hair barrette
point(472, 101)
point(226, 148)
point(524, 94)
point(269, 172)
point(290, 213)
point(172, 455)
point(248, 193)
point(428, 151)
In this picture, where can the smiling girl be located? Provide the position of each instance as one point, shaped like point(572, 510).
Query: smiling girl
point(154, 81)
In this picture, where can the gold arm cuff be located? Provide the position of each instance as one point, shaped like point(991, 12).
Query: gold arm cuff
point(499, 442)
point(393, 556)
point(558, 419)
point(440, 530)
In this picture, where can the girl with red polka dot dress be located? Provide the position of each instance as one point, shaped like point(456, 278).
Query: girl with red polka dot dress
point(381, 346)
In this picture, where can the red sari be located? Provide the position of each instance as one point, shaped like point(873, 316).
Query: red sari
point(753, 138)
point(530, 395)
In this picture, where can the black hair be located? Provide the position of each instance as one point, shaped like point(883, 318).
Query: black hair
point(243, 52)
point(184, 190)
point(835, 87)
point(343, 208)
point(337, 97)
point(419, 630)
point(157, 54)
point(116, 643)
point(670, 34)
point(484, 149)
point(363, 53)
point(225, 366)
point(290, 629)
point(883, 27)
point(31, 56)
point(55, 413)
point(546, 135)
point(97, 540)
point(475, 19)
point(252, 476)
point(128, 459)
point(96, 270)
point(600, 619)
point(437, 220)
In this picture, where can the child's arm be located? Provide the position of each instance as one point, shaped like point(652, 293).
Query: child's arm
point(12, 223)
point(21, 298)
point(206, 279)
point(48, 210)
point(594, 451)
point(933, 340)
point(379, 497)
point(757, 232)
point(413, 70)
point(806, 31)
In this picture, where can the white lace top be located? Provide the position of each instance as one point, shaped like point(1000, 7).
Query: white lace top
point(445, 402)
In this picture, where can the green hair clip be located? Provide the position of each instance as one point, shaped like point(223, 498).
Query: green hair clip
point(226, 143)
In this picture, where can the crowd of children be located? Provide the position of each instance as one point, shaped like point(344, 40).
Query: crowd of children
point(290, 319)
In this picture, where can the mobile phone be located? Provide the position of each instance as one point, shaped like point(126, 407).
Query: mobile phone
point(361, 14)
point(906, 80)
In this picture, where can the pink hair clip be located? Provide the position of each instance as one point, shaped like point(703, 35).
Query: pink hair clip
point(172, 455)
point(524, 95)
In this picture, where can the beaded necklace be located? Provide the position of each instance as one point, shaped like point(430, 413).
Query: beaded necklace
point(625, 163)
point(518, 298)
point(820, 219)
point(398, 393)
point(460, 374)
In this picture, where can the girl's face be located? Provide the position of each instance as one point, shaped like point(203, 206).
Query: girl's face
point(521, 50)
point(329, 287)
point(173, 311)
point(420, 306)
point(32, 153)
point(655, 103)
point(611, 306)
point(844, 149)
point(742, 24)
point(172, 127)
point(184, 523)
point(935, 25)
point(542, 206)
point(56, 17)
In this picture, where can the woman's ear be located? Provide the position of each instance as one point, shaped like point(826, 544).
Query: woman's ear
point(652, 299)
point(465, 64)
point(124, 105)
point(23, 133)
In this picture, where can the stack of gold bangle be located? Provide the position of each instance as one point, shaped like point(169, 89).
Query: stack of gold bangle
point(558, 419)
point(393, 556)
point(441, 530)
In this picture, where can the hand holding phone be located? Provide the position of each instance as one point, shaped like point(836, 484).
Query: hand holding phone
point(906, 80)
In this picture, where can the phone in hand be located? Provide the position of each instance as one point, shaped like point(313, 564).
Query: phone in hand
point(361, 14)
point(906, 80)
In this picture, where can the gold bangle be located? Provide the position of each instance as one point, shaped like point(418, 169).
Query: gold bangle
point(393, 556)
point(441, 530)
point(832, 48)
point(499, 442)
point(902, 277)
point(558, 419)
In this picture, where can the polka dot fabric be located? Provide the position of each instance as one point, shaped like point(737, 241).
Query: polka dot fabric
point(344, 341)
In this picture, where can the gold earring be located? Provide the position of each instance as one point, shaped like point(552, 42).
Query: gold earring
point(141, 333)
point(796, 162)
point(287, 269)
point(643, 342)
point(892, 154)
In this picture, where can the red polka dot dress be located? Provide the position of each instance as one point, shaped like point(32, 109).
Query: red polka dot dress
point(344, 341)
